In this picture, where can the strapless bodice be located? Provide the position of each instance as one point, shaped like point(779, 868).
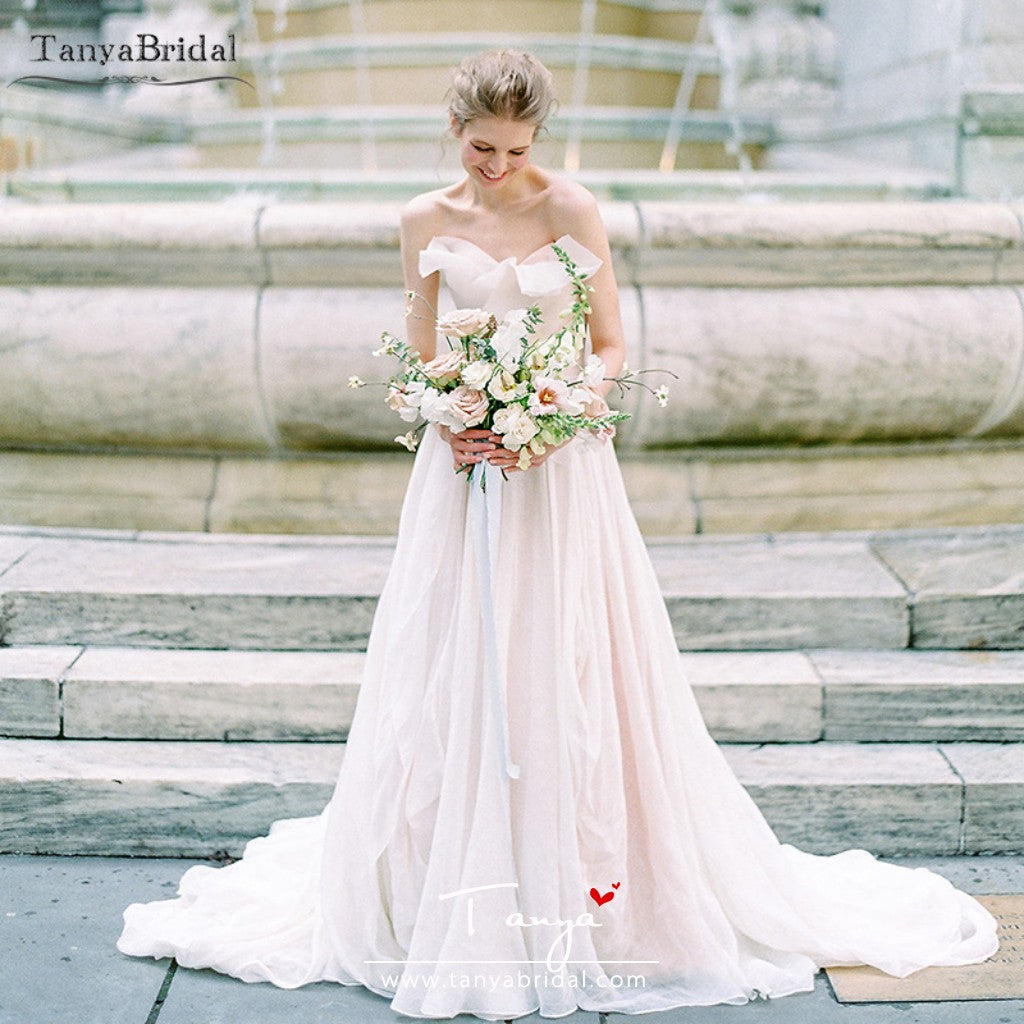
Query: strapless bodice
point(476, 279)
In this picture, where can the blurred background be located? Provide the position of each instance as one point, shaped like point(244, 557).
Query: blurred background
point(812, 206)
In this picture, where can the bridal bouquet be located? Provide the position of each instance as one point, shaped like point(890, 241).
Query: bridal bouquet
point(503, 375)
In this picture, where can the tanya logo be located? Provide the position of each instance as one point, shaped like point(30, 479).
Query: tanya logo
point(518, 920)
point(146, 48)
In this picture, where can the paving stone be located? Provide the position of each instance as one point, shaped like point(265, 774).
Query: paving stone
point(760, 696)
point(775, 593)
point(30, 689)
point(59, 922)
point(993, 775)
point(825, 797)
point(135, 693)
point(155, 799)
point(205, 997)
point(921, 695)
point(968, 588)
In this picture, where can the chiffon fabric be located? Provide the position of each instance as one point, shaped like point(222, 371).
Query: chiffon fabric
point(435, 880)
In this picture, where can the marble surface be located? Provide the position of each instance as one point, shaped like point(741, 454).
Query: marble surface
point(235, 326)
point(206, 591)
point(968, 590)
point(825, 797)
point(154, 799)
point(993, 777)
point(166, 367)
point(136, 693)
point(195, 593)
point(743, 696)
point(30, 700)
point(776, 594)
point(157, 798)
point(921, 695)
point(759, 696)
point(671, 493)
point(818, 364)
point(121, 491)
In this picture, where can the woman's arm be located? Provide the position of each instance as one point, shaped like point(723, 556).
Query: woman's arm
point(419, 223)
point(418, 220)
point(575, 213)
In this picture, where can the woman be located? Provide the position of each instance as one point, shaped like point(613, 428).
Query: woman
point(621, 866)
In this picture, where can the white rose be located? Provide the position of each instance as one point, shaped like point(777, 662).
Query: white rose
point(515, 425)
point(461, 323)
point(436, 407)
point(477, 374)
point(594, 371)
point(405, 400)
point(508, 338)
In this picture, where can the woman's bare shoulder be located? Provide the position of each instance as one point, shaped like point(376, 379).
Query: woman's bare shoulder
point(423, 210)
point(566, 194)
point(571, 209)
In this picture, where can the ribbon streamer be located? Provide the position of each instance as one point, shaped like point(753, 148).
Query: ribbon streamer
point(485, 522)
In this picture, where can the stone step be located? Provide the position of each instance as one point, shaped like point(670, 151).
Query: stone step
point(709, 491)
point(745, 697)
point(198, 799)
point(162, 173)
point(929, 589)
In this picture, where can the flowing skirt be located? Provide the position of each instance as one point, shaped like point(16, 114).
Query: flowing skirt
point(435, 880)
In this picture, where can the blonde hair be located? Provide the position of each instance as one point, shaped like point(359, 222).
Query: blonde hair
point(500, 83)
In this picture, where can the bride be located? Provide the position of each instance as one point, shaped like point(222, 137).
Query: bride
point(593, 850)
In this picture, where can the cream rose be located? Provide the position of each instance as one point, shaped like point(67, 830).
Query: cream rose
point(515, 425)
point(469, 405)
point(445, 369)
point(504, 387)
point(477, 374)
point(461, 323)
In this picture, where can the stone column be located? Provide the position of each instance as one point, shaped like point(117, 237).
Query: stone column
point(780, 58)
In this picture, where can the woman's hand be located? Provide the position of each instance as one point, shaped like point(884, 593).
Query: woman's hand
point(508, 460)
point(469, 446)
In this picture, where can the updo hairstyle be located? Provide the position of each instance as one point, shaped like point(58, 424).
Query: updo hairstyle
point(508, 84)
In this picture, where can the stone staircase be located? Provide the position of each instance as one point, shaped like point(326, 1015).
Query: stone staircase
point(172, 694)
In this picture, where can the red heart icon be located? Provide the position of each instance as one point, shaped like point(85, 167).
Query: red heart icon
point(599, 899)
point(615, 885)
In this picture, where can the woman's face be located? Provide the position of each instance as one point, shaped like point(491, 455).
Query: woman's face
point(493, 150)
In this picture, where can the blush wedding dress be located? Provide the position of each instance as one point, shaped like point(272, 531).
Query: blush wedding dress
point(443, 881)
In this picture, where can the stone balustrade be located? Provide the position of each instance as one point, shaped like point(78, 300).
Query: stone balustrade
point(234, 326)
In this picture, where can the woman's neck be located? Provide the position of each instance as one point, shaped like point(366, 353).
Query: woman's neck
point(527, 187)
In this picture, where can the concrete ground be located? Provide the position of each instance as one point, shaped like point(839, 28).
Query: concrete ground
point(60, 918)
